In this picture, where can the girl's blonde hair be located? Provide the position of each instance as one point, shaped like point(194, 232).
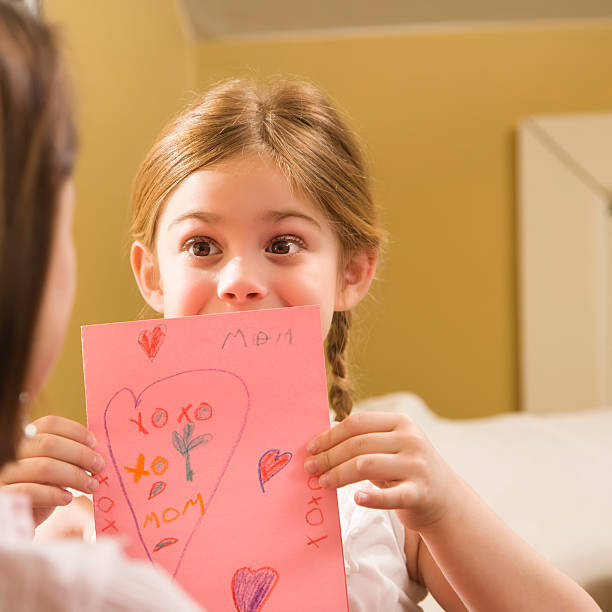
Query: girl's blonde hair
point(295, 125)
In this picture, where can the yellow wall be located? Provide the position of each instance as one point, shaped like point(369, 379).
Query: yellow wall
point(436, 112)
point(132, 68)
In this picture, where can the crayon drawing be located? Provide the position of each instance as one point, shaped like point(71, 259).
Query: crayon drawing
point(251, 588)
point(151, 340)
point(171, 454)
point(203, 422)
point(271, 463)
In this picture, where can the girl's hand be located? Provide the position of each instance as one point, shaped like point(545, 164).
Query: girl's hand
point(58, 456)
point(393, 453)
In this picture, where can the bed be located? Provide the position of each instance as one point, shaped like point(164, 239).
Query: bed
point(549, 476)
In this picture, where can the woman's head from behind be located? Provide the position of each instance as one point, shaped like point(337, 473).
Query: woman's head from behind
point(257, 197)
point(37, 142)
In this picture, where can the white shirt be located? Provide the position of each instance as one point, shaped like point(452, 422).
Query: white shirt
point(374, 558)
point(72, 576)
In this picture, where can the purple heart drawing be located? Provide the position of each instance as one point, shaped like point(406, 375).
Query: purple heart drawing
point(251, 588)
point(170, 447)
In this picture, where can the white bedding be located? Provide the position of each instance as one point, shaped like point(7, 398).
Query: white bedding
point(548, 476)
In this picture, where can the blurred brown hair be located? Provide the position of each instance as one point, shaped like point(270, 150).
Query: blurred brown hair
point(37, 147)
point(295, 125)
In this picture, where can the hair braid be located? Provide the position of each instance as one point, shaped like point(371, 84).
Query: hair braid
point(340, 391)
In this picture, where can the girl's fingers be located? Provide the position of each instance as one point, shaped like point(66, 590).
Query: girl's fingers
point(394, 498)
point(354, 425)
point(66, 428)
point(42, 496)
point(48, 471)
point(386, 468)
point(57, 447)
point(365, 444)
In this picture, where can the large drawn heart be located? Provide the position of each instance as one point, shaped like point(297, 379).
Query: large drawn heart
point(151, 340)
point(161, 446)
point(251, 588)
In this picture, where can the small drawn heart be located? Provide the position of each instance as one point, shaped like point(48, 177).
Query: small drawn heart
point(151, 340)
point(271, 463)
point(251, 588)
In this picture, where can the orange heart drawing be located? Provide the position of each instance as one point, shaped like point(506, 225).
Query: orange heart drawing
point(151, 340)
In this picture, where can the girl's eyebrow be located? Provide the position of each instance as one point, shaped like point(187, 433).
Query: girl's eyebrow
point(279, 215)
point(274, 215)
point(205, 217)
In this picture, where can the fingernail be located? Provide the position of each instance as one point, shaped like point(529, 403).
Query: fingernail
point(324, 481)
point(67, 496)
point(91, 441)
point(97, 464)
point(310, 465)
point(312, 447)
point(93, 485)
point(361, 497)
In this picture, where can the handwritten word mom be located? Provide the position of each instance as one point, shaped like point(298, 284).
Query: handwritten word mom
point(160, 417)
point(259, 338)
point(171, 514)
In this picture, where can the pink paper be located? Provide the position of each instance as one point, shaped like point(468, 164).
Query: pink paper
point(203, 423)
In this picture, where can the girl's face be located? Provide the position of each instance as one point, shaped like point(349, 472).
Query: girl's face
point(235, 237)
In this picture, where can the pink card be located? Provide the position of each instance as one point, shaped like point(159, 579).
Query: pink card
point(203, 423)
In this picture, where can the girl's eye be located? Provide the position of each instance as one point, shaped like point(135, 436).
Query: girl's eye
point(285, 245)
point(202, 247)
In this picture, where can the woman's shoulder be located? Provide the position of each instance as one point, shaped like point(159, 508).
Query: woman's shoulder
point(72, 575)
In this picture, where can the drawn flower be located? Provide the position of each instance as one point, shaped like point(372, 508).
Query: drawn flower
point(184, 445)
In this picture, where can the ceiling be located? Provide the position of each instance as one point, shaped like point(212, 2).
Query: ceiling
point(248, 18)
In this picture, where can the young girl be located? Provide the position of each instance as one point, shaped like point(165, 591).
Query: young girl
point(257, 197)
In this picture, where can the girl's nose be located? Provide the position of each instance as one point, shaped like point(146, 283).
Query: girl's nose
point(240, 285)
